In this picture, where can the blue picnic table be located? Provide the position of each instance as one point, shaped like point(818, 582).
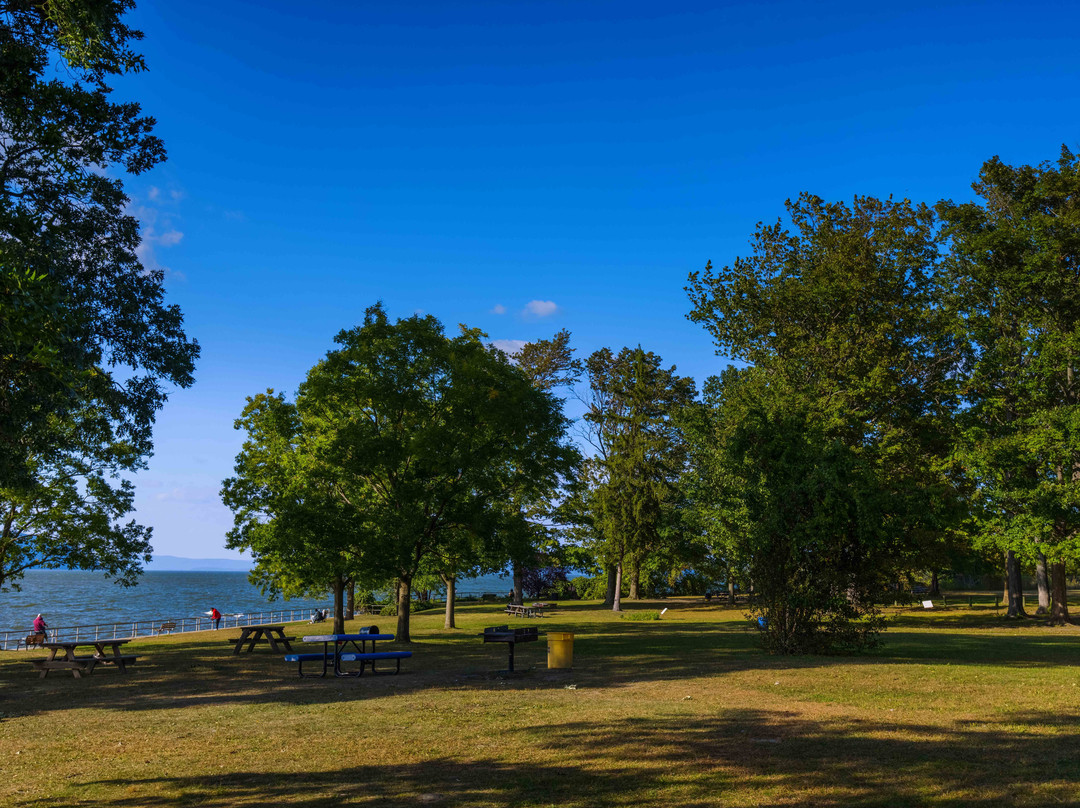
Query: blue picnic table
point(336, 650)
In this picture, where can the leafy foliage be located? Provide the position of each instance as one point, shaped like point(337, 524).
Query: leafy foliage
point(1015, 263)
point(835, 444)
point(424, 437)
point(85, 334)
point(630, 485)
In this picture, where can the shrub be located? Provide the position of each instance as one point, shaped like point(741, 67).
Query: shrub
point(646, 614)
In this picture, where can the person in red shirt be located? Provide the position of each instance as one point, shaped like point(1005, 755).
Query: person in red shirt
point(40, 625)
point(215, 615)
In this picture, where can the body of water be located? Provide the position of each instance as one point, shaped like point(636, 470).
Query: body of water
point(78, 598)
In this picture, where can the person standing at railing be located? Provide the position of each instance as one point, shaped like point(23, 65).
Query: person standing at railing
point(215, 615)
point(40, 626)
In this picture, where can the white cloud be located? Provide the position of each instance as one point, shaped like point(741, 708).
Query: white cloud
point(153, 193)
point(509, 346)
point(157, 230)
point(499, 309)
point(540, 308)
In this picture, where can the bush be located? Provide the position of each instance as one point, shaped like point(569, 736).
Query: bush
point(647, 614)
point(819, 521)
point(592, 588)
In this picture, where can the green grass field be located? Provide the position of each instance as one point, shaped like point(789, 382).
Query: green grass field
point(958, 708)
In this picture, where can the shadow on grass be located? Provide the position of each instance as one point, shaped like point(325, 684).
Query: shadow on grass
point(608, 654)
point(741, 756)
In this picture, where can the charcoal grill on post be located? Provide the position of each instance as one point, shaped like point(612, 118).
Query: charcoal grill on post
point(510, 636)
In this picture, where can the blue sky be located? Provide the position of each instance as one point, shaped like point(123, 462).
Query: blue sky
point(471, 159)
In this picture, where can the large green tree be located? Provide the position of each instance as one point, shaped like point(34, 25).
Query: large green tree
point(549, 364)
point(85, 334)
point(640, 455)
point(303, 537)
point(838, 312)
point(425, 435)
point(1014, 261)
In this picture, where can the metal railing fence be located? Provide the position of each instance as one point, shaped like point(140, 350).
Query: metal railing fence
point(9, 640)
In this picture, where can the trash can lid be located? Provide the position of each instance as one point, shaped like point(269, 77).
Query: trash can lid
point(560, 635)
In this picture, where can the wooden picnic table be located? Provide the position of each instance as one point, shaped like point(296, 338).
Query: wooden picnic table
point(254, 635)
point(78, 665)
point(534, 610)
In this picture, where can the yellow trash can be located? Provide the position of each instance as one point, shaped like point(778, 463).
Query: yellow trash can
point(560, 649)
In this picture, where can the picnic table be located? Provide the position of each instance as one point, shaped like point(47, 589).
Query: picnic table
point(78, 665)
point(510, 636)
point(255, 635)
point(335, 651)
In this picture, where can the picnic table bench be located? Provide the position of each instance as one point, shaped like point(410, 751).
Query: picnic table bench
point(257, 635)
point(333, 653)
point(78, 665)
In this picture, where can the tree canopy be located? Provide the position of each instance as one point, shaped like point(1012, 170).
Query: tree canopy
point(415, 439)
point(1014, 265)
point(88, 345)
point(852, 357)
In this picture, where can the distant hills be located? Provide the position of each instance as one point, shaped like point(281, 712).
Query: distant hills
point(167, 563)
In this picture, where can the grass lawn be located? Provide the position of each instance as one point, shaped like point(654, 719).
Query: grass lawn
point(959, 708)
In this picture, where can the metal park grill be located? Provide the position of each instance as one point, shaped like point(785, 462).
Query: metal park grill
point(510, 636)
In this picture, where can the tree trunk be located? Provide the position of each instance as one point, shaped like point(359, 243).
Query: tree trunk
point(616, 605)
point(635, 580)
point(731, 591)
point(350, 602)
point(1059, 609)
point(935, 586)
point(451, 588)
point(1016, 586)
point(519, 588)
point(404, 601)
point(609, 596)
point(1042, 583)
point(339, 605)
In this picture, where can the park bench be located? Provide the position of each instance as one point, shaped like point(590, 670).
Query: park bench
point(86, 664)
point(31, 641)
point(168, 626)
point(363, 659)
point(300, 659)
point(520, 611)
